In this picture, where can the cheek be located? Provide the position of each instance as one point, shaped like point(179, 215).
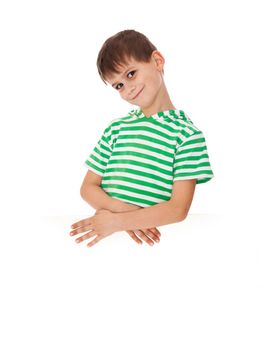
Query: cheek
point(152, 81)
point(123, 95)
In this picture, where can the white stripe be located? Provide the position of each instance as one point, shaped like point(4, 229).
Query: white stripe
point(191, 162)
point(143, 159)
point(150, 134)
point(139, 177)
point(193, 145)
point(109, 151)
point(192, 154)
point(96, 164)
point(190, 170)
point(201, 176)
point(94, 170)
point(149, 125)
point(136, 147)
point(97, 156)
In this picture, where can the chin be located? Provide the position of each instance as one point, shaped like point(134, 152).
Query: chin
point(134, 104)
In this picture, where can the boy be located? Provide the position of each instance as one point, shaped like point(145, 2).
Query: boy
point(144, 169)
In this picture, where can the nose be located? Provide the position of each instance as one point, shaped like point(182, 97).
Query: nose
point(131, 91)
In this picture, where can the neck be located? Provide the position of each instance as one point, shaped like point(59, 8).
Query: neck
point(162, 102)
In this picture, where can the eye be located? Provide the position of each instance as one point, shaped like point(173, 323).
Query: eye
point(118, 85)
point(133, 71)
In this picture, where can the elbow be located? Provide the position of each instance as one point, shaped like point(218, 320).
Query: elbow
point(183, 216)
point(83, 192)
point(181, 213)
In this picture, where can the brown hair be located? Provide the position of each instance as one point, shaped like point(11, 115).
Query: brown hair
point(117, 49)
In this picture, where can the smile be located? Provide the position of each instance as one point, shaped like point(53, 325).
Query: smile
point(138, 94)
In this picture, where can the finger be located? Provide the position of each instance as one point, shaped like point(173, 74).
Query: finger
point(134, 236)
point(80, 223)
point(152, 235)
point(75, 225)
point(156, 233)
point(145, 238)
point(85, 228)
point(86, 236)
point(93, 242)
point(155, 230)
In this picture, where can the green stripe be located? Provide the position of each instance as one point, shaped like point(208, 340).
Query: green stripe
point(188, 158)
point(208, 172)
point(149, 129)
point(192, 166)
point(98, 160)
point(201, 181)
point(94, 166)
point(191, 142)
point(190, 150)
point(101, 146)
point(137, 182)
point(143, 156)
point(140, 173)
point(100, 153)
point(148, 138)
point(130, 198)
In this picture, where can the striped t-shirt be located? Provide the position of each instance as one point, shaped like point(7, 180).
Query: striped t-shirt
point(140, 157)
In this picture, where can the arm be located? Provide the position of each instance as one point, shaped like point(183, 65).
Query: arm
point(172, 211)
point(94, 195)
point(99, 199)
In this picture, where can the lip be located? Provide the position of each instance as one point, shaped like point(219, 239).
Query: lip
point(137, 94)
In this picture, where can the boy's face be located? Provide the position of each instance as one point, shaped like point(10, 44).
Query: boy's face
point(140, 83)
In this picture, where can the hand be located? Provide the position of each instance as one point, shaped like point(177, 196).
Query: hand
point(144, 234)
point(101, 225)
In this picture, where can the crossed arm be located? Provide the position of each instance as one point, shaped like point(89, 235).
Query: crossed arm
point(172, 211)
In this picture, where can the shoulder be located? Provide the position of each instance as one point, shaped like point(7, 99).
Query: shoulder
point(114, 126)
point(185, 129)
point(130, 116)
point(116, 123)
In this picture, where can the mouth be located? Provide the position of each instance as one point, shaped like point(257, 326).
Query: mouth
point(137, 94)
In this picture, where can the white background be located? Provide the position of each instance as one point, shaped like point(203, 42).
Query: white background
point(202, 286)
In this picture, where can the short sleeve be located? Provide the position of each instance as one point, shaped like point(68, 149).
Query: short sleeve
point(98, 158)
point(191, 160)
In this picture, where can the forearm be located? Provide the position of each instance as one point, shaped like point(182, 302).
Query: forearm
point(154, 216)
point(99, 199)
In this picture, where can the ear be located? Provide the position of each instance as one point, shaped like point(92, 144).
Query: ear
point(158, 60)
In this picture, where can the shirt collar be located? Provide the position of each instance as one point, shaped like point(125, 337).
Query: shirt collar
point(169, 114)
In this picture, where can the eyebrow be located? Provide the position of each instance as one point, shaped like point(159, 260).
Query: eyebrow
point(124, 74)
